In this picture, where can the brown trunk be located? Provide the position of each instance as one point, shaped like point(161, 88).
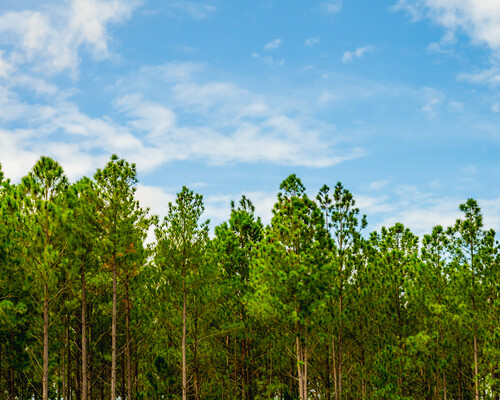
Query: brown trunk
point(45, 377)
point(341, 332)
point(113, 336)
point(129, 361)
point(68, 362)
point(63, 357)
point(84, 337)
point(302, 364)
point(228, 380)
point(197, 389)
point(476, 364)
point(335, 372)
point(184, 365)
point(445, 394)
point(460, 386)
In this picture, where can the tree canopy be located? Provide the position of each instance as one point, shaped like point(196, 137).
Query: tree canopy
point(310, 306)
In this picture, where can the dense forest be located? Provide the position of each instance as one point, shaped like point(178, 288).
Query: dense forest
point(310, 306)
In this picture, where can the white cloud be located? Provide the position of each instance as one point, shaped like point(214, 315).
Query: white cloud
point(331, 6)
point(325, 97)
point(269, 60)
point(479, 19)
point(155, 198)
point(432, 98)
point(233, 124)
point(358, 53)
point(217, 206)
point(491, 76)
point(378, 185)
point(438, 48)
point(163, 114)
point(311, 42)
point(273, 44)
point(49, 40)
point(456, 106)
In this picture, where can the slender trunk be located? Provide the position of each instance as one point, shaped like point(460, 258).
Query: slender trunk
point(228, 374)
point(84, 337)
point(445, 394)
point(334, 359)
point(459, 365)
point(45, 377)
point(184, 366)
point(302, 363)
point(63, 357)
point(68, 360)
point(340, 351)
point(113, 336)
point(122, 392)
point(341, 332)
point(12, 383)
point(196, 370)
point(235, 370)
point(476, 363)
point(129, 361)
point(304, 385)
point(363, 379)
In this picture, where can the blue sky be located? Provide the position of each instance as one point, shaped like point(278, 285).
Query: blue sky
point(398, 99)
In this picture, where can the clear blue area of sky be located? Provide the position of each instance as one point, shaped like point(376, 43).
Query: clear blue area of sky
point(230, 97)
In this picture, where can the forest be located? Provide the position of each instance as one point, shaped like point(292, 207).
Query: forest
point(311, 306)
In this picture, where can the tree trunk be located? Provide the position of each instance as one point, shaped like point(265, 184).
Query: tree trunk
point(84, 337)
point(476, 363)
point(129, 361)
point(334, 360)
point(113, 337)
point(302, 364)
point(184, 366)
point(45, 377)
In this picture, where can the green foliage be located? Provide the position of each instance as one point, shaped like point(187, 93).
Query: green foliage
point(305, 307)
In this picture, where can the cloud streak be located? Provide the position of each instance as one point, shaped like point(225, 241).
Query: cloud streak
point(350, 56)
point(273, 44)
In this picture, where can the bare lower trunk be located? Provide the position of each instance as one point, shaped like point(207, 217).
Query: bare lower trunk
point(45, 377)
point(302, 365)
point(84, 339)
point(334, 360)
point(184, 366)
point(63, 354)
point(476, 364)
point(129, 361)
point(113, 337)
point(445, 394)
point(341, 332)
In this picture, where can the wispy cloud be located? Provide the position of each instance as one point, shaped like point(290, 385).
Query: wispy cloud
point(269, 60)
point(311, 42)
point(237, 125)
point(350, 56)
point(432, 98)
point(491, 76)
point(419, 209)
point(456, 106)
point(273, 44)
point(331, 6)
point(195, 10)
point(190, 118)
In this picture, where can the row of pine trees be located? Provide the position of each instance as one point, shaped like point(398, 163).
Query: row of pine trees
point(310, 306)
